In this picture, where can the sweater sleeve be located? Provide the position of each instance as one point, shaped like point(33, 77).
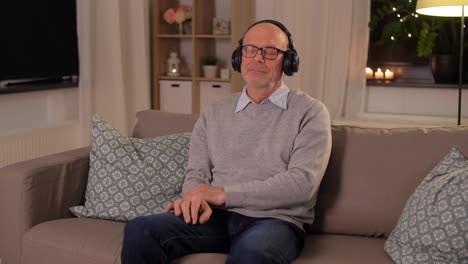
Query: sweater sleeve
point(298, 185)
point(199, 165)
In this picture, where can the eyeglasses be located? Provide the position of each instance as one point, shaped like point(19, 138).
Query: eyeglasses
point(268, 53)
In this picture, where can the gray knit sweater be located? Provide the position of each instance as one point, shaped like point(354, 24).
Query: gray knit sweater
point(269, 160)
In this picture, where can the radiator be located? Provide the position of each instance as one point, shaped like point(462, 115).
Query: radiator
point(33, 143)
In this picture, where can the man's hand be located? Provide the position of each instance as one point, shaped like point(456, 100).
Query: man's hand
point(193, 211)
point(195, 205)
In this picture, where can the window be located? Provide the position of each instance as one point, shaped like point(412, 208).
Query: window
point(414, 47)
point(404, 42)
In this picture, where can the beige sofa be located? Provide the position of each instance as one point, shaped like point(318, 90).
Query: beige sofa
point(371, 174)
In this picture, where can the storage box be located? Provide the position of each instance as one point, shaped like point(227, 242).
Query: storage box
point(212, 91)
point(175, 96)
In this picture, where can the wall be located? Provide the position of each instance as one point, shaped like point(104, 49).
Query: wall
point(34, 124)
point(425, 105)
point(22, 111)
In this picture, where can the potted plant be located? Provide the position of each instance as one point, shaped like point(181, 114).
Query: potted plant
point(210, 67)
point(436, 37)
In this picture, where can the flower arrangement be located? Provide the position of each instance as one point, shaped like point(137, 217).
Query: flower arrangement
point(178, 14)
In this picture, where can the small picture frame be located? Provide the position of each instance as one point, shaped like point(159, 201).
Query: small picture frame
point(224, 73)
point(220, 26)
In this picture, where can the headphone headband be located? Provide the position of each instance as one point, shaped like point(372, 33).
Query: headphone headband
point(276, 23)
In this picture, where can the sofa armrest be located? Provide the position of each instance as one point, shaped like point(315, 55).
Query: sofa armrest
point(36, 191)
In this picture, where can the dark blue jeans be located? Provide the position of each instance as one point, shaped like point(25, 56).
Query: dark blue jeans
point(164, 237)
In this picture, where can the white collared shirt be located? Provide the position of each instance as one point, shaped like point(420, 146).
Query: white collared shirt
point(278, 98)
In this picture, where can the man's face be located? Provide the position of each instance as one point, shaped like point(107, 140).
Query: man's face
point(259, 72)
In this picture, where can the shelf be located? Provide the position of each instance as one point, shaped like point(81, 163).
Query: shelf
point(176, 36)
point(212, 79)
point(186, 78)
point(179, 78)
point(187, 36)
point(213, 36)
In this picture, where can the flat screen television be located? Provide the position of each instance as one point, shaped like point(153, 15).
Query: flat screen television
point(38, 40)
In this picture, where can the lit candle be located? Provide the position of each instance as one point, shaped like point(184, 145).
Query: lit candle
point(379, 75)
point(369, 73)
point(389, 75)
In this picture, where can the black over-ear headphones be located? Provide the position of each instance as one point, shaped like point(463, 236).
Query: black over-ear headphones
point(290, 60)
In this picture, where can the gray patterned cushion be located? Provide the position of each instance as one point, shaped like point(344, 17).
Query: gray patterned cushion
point(130, 177)
point(433, 227)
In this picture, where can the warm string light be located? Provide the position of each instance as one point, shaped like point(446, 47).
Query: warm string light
point(402, 20)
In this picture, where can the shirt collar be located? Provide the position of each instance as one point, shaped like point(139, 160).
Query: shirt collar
point(278, 98)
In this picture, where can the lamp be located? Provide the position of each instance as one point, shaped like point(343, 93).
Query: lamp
point(448, 8)
point(173, 65)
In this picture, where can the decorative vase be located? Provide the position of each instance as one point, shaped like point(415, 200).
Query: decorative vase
point(209, 71)
point(181, 28)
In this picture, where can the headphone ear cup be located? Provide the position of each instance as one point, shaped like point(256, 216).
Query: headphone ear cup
point(290, 62)
point(236, 59)
point(294, 61)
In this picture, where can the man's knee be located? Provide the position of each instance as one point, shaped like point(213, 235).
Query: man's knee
point(142, 237)
point(147, 227)
point(136, 232)
point(271, 241)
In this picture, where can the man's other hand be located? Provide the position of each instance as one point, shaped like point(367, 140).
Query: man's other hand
point(215, 196)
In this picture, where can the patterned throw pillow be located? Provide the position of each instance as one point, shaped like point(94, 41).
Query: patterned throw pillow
point(433, 227)
point(130, 177)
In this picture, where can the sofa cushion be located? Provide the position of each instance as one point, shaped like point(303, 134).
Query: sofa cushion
point(338, 249)
point(94, 241)
point(372, 173)
point(320, 249)
point(154, 123)
point(130, 177)
point(73, 241)
point(434, 224)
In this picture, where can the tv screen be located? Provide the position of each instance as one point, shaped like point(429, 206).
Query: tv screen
point(38, 39)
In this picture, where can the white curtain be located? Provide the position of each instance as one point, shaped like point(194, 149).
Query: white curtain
point(331, 37)
point(113, 40)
